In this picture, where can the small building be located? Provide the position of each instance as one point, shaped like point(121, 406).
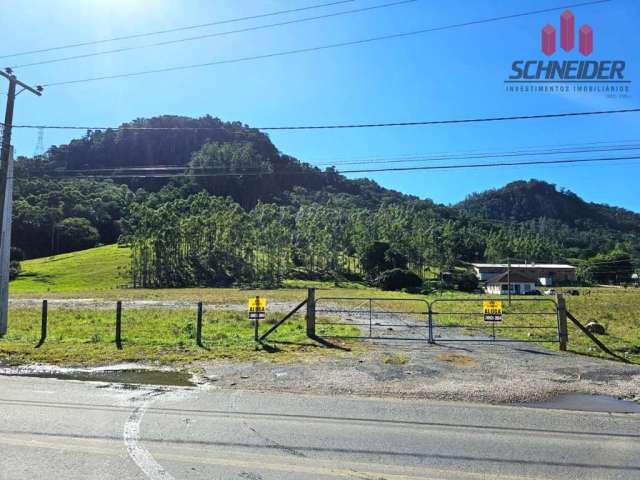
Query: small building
point(521, 283)
point(543, 273)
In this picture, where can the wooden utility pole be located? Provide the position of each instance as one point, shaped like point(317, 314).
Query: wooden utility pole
point(5, 158)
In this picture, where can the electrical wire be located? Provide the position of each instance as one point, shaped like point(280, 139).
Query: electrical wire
point(424, 159)
point(355, 125)
point(367, 158)
point(156, 168)
point(212, 35)
point(317, 48)
point(172, 30)
point(390, 169)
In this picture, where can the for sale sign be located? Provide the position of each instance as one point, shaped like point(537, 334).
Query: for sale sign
point(257, 308)
point(492, 310)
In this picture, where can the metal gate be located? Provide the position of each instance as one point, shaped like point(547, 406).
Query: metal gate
point(374, 318)
point(523, 320)
point(442, 320)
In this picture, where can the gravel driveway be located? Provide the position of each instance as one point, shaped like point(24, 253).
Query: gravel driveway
point(495, 373)
point(509, 372)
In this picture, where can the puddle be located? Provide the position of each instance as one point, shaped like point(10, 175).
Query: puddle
point(139, 377)
point(587, 403)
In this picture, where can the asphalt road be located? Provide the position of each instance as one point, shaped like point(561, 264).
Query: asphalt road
point(84, 430)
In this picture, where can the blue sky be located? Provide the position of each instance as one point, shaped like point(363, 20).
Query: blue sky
point(447, 74)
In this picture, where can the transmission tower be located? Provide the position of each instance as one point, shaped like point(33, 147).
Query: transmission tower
point(39, 150)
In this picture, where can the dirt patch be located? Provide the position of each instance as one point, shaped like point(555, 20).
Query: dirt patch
point(457, 359)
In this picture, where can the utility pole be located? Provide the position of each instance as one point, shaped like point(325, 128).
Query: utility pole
point(5, 196)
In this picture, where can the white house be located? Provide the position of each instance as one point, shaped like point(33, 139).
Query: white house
point(521, 283)
point(543, 273)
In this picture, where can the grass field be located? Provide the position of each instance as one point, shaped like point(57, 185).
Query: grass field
point(99, 268)
point(98, 273)
point(86, 337)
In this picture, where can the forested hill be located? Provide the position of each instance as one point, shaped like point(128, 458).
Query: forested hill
point(534, 199)
point(205, 145)
point(92, 191)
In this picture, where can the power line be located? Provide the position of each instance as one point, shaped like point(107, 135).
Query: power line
point(156, 168)
point(217, 34)
point(486, 165)
point(320, 47)
point(532, 153)
point(355, 125)
point(177, 29)
point(390, 169)
point(368, 158)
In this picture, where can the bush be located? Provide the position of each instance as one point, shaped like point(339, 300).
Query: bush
point(397, 279)
point(467, 282)
point(14, 270)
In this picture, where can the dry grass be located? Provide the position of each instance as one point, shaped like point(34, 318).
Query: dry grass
point(396, 359)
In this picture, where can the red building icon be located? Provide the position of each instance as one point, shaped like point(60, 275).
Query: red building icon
point(586, 40)
point(567, 34)
point(548, 40)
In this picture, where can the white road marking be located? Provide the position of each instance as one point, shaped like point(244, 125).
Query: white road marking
point(140, 455)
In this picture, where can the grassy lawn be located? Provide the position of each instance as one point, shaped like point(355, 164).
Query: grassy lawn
point(95, 269)
point(618, 310)
point(87, 337)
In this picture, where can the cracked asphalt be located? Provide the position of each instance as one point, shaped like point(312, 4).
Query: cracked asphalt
point(87, 430)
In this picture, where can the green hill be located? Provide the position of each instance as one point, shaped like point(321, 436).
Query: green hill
point(582, 228)
point(99, 268)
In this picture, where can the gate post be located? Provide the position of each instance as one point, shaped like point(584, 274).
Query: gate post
point(199, 325)
point(43, 324)
point(430, 320)
point(563, 333)
point(119, 325)
point(311, 312)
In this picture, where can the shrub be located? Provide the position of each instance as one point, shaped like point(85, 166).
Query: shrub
point(397, 279)
point(467, 282)
point(14, 270)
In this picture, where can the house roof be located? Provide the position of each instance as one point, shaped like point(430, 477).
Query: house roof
point(562, 266)
point(515, 277)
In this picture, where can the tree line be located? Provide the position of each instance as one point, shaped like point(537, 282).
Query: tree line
point(212, 241)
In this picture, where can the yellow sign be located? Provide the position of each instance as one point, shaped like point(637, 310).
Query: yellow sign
point(257, 304)
point(492, 310)
point(492, 307)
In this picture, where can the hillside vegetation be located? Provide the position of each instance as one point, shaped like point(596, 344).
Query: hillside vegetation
point(248, 214)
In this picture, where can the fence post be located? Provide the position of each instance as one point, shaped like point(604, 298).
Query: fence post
point(563, 333)
point(43, 326)
point(370, 318)
point(119, 325)
point(430, 320)
point(256, 320)
point(311, 312)
point(199, 325)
